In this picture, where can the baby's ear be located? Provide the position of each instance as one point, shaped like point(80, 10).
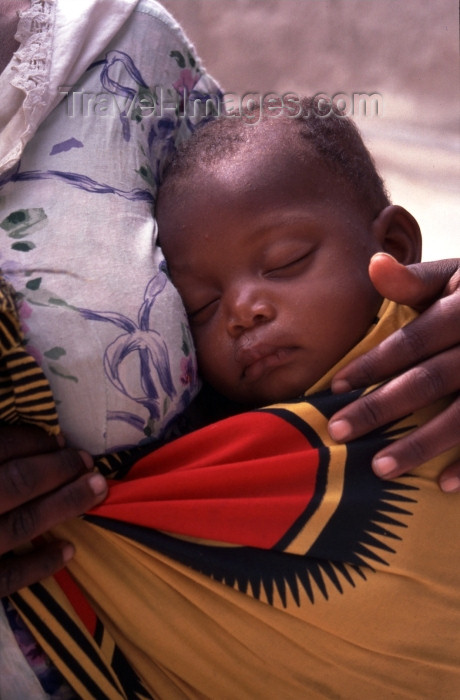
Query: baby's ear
point(398, 233)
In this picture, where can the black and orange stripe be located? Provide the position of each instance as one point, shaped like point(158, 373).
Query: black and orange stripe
point(25, 395)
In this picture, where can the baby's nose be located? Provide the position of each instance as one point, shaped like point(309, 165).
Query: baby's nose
point(248, 308)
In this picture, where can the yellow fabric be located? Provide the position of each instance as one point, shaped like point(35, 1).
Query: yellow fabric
point(394, 635)
point(390, 631)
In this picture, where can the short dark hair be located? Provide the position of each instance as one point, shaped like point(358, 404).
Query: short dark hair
point(334, 137)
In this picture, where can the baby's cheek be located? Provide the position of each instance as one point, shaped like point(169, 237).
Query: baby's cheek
point(217, 364)
point(207, 347)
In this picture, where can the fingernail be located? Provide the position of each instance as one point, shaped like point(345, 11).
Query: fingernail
point(60, 439)
point(68, 552)
point(86, 459)
point(384, 466)
point(450, 484)
point(340, 386)
point(97, 484)
point(386, 255)
point(340, 430)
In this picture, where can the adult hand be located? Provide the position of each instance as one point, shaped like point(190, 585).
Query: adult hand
point(41, 485)
point(423, 358)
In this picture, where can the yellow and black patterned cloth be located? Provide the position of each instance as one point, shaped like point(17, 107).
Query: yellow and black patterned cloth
point(257, 558)
point(25, 395)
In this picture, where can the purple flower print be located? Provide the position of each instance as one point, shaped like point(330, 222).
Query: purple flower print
point(186, 81)
point(116, 88)
point(188, 375)
point(146, 343)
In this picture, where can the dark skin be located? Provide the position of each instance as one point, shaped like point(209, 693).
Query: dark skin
point(42, 483)
point(432, 341)
point(62, 485)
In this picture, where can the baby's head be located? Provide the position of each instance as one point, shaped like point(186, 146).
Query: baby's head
point(268, 229)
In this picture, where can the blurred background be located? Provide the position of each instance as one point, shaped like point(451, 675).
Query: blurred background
point(407, 51)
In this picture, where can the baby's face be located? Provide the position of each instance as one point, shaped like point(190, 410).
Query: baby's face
point(270, 257)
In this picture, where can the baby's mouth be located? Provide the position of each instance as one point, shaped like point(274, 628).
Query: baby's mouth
point(256, 360)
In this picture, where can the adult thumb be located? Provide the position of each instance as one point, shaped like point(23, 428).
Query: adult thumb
point(415, 285)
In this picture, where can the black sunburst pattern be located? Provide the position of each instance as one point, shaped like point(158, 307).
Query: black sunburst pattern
point(363, 531)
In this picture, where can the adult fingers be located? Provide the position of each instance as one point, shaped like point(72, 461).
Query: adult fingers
point(416, 285)
point(24, 479)
point(22, 441)
point(430, 346)
point(27, 522)
point(418, 387)
point(436, 330)
point(41, 485)
point(422, 445)
point(36, 517)
point(24, 570)
point(449, 480)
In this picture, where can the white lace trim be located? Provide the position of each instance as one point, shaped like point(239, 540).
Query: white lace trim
point(31, 63)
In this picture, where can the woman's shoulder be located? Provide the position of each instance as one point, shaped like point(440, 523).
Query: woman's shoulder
point(158, 15)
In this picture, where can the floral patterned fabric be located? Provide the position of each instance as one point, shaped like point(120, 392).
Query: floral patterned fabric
point(78, 236)
point(256, 566)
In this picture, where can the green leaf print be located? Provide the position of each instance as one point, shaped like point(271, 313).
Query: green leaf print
point(61, 372)
point(55, 353)
point(18, 223)
point(34, 284)
point(55, 301)
point(179, 58)
point(145, 171)
point(24, 246)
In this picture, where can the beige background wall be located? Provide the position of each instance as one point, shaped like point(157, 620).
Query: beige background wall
point(405, 50)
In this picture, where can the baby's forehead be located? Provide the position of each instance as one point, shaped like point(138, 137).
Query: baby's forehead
point(270, 138)
point(232, 144)
point(277, 160)
point(272, 153)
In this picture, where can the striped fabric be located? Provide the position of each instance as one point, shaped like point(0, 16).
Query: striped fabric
point(25, 395)
point(271, 564)
point(89, 658)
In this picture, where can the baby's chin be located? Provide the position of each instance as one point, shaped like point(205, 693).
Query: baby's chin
point(264, 398)
point(279, 384)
